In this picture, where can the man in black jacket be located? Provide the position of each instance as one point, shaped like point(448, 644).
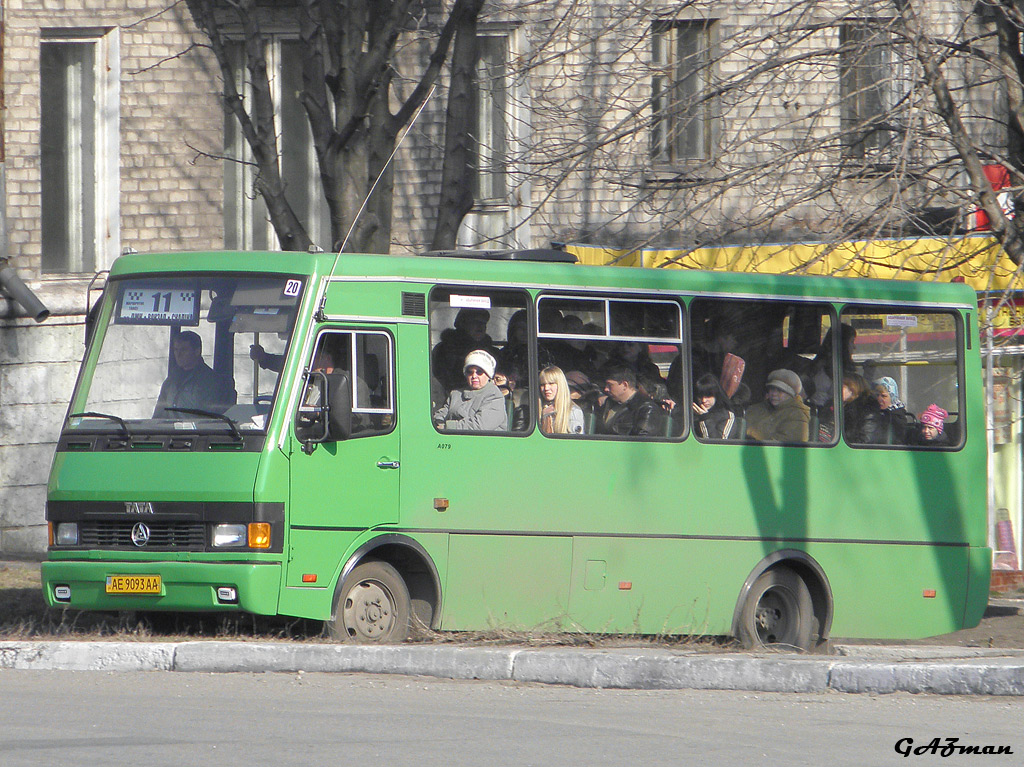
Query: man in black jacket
point(626, 411)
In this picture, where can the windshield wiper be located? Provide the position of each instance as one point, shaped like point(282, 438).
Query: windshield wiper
point(220, 416)
point(119, 421)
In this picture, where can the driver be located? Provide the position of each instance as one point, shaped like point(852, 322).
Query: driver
point(191, 382)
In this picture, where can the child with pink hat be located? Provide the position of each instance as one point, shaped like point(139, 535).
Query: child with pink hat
point(933, 422)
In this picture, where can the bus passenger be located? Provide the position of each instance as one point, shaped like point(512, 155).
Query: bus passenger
point(191, 382)
point(635, 355)
point(469, 333)
point(898, 420)
point(507, 380)
point(513, 355)
point(782, 416)
point(931, 430)
point(713, 419)
point(266, 360)
point(478, 407)
point(627, 411)
point(863, 422)
point(558, 413)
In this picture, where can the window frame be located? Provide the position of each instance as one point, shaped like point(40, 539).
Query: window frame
point(672, 140)
point(391, 385)
point(678, 340)
point(826, 308)
point(498, 220)
point(960, 365)
point(93, 242)
point(488, 291)
point(865, 132)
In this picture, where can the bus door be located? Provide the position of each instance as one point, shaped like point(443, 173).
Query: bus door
point(344, 450)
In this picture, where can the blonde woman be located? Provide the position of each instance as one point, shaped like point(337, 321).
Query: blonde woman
point(558, 413)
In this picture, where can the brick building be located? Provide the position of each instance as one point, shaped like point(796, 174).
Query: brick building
point(617, 123)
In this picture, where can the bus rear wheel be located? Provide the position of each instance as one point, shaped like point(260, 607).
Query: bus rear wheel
point(777, 611)
point(372, 607)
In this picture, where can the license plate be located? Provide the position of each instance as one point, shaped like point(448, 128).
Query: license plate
point(133, 584)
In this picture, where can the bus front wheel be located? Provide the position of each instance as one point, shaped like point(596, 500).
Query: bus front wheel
point(777, 611)
point(372, 607)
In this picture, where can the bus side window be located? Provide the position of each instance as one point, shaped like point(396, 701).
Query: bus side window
point(762, 371)
point(614, 355)
point(479, 361)
point(907, 362)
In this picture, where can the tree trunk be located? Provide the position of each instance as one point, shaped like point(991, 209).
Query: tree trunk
point(459, 149)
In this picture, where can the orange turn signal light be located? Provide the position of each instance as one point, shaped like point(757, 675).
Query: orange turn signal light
point(259, 535)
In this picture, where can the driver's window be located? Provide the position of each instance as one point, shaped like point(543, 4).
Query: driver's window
point(357, 369)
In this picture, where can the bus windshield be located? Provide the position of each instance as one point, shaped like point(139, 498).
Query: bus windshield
point(195, 353)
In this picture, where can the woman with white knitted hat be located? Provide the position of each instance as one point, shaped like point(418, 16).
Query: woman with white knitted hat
point(480, 406)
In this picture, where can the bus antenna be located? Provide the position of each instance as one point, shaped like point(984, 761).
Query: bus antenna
point(320, 314)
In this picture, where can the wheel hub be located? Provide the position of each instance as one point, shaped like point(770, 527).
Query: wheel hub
point(770, 618)
point(368, 611)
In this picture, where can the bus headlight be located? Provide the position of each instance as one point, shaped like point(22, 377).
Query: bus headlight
point(229, 536)
point(66, 534)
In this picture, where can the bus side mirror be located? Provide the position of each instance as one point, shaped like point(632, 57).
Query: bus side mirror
point(90, 322)
point(325, 412)
point(311, 421)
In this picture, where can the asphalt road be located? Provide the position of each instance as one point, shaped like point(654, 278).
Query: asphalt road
point(155, 719)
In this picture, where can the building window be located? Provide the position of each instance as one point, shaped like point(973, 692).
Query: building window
point(78, 151)
point(684, 109)
point(491, 108)
point(873, 80)
point(246, 221)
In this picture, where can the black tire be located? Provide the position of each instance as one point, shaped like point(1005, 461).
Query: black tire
point(777, 611)
point(372, 606)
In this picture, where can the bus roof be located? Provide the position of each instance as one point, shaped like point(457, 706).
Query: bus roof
point(542, 274)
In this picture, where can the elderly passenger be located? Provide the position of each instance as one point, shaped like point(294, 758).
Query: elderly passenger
point(480, 406)
point(782, 416)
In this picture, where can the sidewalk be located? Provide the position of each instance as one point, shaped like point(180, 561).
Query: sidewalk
point(852, 669)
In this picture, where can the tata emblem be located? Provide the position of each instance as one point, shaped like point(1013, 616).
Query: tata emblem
point(131, 507)
point(140, 534)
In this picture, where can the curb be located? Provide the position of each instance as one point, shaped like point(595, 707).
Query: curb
point(988, 673)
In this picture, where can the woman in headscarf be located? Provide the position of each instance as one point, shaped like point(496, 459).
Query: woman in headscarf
point(899, 421)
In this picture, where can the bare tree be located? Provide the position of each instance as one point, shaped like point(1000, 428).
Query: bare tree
point(348, 74)
point(636, 125)
point(692, 125)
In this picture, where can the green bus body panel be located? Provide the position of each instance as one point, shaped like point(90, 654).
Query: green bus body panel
point(508, 582)
point(153, 476)
point(188, 586)
point(564, 534)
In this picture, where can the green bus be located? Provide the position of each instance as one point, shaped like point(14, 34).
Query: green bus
point(303, 435)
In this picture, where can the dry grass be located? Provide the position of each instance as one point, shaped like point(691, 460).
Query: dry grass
point(24, 615)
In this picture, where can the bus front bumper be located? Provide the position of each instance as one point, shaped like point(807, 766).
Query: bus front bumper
point(183, 586)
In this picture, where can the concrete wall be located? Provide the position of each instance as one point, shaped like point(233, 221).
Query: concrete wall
point(38, 366)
